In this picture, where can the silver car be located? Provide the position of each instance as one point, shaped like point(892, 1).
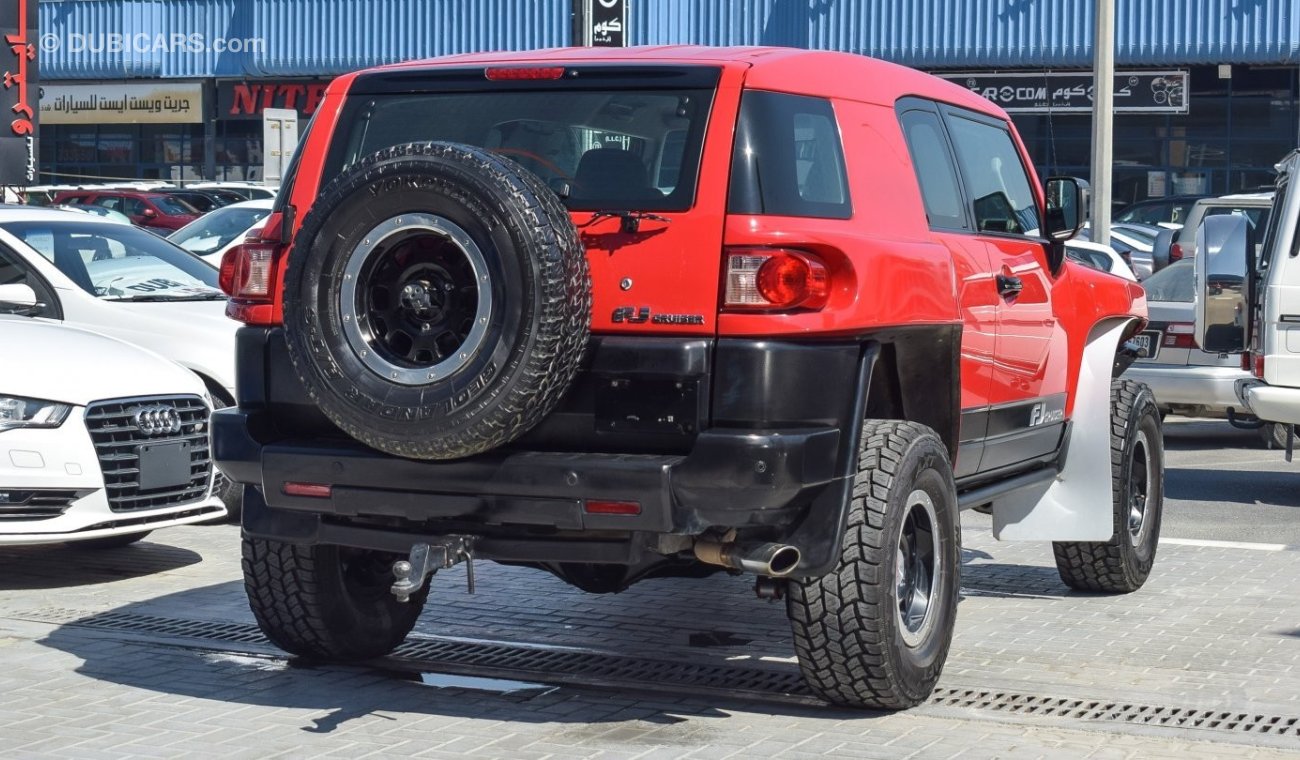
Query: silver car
point(1186, 380)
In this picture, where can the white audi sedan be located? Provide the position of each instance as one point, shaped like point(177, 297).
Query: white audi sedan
point(101, 442)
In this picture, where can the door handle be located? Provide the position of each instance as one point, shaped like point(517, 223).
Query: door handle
point(1009, 285)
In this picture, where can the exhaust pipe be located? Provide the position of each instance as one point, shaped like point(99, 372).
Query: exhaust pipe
point(771, 559)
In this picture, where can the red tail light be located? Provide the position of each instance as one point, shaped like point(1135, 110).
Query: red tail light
point(1175, 252)
point(501, 74)
point(775, 278)
point(592, 507)
point(248, 273)
point(1180, 335)
point(312, 490)
point(1258, 369)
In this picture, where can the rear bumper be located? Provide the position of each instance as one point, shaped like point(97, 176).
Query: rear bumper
point(1270, 402)
point(1213, 389)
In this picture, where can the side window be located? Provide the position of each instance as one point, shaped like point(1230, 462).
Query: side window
point(1001, 197)
point(134, 206)
point(788, 159)
point(935, 172)
point(108, 201)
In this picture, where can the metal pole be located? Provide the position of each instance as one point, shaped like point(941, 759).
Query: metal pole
point(1103, 118)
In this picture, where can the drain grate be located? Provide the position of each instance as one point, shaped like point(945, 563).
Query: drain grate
point(582, 667)
point(1116, 712)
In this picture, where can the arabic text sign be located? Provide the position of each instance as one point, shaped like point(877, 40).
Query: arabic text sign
point(606, 23)
point(18, 96)
point(111, 103)
point(1071, 92)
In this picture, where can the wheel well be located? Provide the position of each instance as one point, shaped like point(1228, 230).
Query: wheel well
point(918, 378)
point(214, 388)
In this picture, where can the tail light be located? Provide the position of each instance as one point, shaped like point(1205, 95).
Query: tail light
point(775, 278)
point(1175, 252)
point(1180, 335)
point(1257, 368)
point(248, 275)
point(516, 73)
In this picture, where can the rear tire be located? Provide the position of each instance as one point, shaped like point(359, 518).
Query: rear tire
point(111, 542)
point(325, 602)
point(863, 633)
point(1122, 564)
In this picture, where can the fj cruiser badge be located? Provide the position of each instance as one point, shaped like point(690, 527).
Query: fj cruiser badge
point(637, 315)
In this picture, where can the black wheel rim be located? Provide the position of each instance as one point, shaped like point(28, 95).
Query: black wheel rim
point(917, 569)
point(415, 299)
point(1138, 489)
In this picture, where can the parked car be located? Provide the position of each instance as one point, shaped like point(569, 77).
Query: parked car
point(127, 283)
point(1185, 379)
point(1255, 207)
point(1171, 209)
point(618, 314)
point(246, 190)
point(101, 442)
point(203, 201)
point(144, 208)
point(214, 233)
point(1100, 257)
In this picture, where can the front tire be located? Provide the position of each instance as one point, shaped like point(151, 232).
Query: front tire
point(875, 631)
point(326, 602)
point(1122, 564)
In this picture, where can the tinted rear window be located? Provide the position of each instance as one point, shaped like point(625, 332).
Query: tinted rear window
point(1173, 283)
point(788, 159)
point(611, 149)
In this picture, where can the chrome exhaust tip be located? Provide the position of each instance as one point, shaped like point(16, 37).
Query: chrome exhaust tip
point(771, 559)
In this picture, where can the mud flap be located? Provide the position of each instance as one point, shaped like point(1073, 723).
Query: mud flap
point(1076, 505)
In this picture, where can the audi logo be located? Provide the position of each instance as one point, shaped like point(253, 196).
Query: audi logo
point(158, 420)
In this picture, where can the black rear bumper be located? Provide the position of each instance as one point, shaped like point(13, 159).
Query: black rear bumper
point(769, 451)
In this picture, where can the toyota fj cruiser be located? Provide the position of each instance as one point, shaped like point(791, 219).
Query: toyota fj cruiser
point(618, 314)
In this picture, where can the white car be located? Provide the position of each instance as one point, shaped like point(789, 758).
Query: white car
point(1099, 256)
point(219, 230)
point(127, 283)
point(101, 442)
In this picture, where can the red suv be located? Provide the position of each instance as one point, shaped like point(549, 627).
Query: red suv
point(145, 209)
point(620, 314)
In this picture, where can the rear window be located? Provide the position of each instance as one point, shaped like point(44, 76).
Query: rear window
point(628, 149)
point(788, 159)
point(1171, 284)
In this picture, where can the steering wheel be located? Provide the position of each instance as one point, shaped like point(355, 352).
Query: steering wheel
point(542, 161)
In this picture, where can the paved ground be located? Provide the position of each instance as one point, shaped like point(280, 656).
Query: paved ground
point(97, 658)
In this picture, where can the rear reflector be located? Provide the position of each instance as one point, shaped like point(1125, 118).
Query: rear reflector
point(1175, 252)
point(501, 74)
point(611, 508)
point(313, 490)
point(775, 278)
point(1180, 335)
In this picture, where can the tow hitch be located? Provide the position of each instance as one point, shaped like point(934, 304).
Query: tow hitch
point(426, 559)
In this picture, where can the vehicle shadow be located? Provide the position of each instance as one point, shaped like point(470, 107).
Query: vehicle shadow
point(67, 565)
point(1183, 434)
point(1250, 487)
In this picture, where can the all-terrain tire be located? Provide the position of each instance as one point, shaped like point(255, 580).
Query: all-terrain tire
point(854, 647)
point(1122, 564)
point(327, 602)
point(470, 361)
point(111, 542)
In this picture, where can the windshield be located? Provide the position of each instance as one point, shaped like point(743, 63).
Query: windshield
point(170, 205)
point(1172, 284)
point(211, 233)
point(119, 263)
point(607, 149)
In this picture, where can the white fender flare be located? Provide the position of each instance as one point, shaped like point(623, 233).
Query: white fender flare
point(1077, 504)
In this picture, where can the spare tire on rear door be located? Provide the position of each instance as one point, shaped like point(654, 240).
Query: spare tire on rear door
point(436, 301)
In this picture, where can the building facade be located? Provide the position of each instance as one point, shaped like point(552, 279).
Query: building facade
point(1215, 82)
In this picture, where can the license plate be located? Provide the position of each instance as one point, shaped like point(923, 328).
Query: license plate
point(1148, 343)
point(164, 465)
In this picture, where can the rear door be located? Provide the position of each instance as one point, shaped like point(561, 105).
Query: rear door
point(950, 223)
point(1026, 417)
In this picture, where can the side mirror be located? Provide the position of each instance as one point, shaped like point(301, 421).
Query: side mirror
point(1067, 207)
point(19, 298)
point(1160, 249)
point(1220, 283)
point(149, 213)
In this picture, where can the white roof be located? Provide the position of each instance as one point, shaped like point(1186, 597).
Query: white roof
point(16, 213)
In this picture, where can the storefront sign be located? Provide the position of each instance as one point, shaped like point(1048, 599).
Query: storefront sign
point(122, 103)
point(18, 137)
point(605, 23)
point(247, 100)
point(1071, 92)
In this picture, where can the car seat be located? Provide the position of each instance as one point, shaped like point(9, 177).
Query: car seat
point(608, 176)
